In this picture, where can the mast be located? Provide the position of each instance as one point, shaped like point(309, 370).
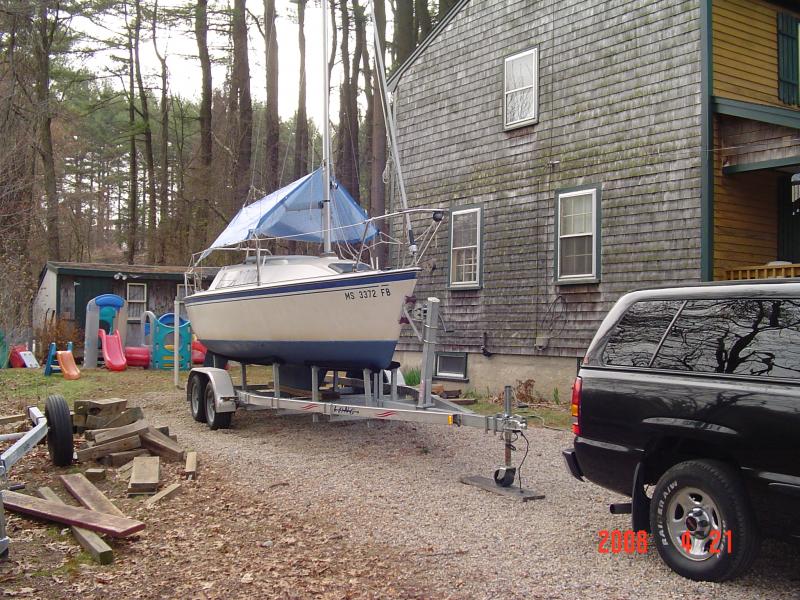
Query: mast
point(326, 139)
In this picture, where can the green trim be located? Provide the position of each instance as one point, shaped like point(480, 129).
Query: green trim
point(136, 277)
point(760, 166)
point(471, 286)
point(774, 115)
point(598, 196)
point(706, 145)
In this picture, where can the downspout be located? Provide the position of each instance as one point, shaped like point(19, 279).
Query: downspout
point(706, 144)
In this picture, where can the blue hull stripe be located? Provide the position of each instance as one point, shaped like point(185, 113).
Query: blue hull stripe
point(374, 354)
point(293, 288)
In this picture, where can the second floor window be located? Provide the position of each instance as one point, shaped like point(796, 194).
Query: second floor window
point(789, 59)
point(521, 89)
point(137, 300)
point(577, 258)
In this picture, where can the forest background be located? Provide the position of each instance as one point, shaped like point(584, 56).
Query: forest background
point(102, 161)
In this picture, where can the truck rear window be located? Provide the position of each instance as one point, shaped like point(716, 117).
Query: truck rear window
point(637, 335)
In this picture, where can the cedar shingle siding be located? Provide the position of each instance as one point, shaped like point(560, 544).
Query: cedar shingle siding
point(619, 107)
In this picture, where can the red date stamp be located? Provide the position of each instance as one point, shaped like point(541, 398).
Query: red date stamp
point(626, 542)
point(719, 541)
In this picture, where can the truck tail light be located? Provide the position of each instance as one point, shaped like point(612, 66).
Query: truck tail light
point(575, 406)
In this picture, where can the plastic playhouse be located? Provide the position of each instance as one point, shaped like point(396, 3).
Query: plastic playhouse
point(106, 320)
point(163, 336)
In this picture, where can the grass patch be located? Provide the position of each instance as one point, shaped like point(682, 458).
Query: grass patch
point(556, 417)
point(412, 376)
point(23, 387)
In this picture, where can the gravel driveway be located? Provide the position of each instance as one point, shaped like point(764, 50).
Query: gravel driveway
point(396, 485)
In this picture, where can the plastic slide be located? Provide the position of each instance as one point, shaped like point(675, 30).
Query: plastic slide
point(67, 363)
point(113, 354)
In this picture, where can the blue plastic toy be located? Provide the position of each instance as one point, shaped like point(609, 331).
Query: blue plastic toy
point(52, 366)
point(162, 335)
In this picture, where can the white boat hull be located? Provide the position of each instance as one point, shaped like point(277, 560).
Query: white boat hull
point(349, 320)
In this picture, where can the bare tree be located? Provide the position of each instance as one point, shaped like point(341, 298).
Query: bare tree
point(163, 183)
point(301, 120)
point(206, 143)
point(273, 124)
point(378, 133)
point(240, 92)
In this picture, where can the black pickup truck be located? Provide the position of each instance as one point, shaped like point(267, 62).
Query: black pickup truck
point(688, 401)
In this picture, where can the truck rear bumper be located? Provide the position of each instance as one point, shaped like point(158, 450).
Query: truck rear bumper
point(572, 463)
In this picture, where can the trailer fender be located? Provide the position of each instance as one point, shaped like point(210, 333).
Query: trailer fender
point(220, 381)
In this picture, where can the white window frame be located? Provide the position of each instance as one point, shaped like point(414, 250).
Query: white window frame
point(129, 301)
point(534, 54)
point(476, 283)
point(592, 277)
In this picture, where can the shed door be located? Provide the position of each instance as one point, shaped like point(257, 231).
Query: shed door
point(87, 288)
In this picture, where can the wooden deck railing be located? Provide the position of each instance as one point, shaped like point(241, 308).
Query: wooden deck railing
point(763, 272)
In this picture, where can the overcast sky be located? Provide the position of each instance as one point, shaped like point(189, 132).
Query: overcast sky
point(180, 48)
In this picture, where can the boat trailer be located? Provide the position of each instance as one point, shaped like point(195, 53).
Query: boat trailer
point(213, 398)
point(55, 425)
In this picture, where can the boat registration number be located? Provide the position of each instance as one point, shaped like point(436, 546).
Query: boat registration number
point(367, 294)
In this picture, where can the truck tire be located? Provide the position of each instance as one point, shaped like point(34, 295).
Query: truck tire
point(702, 522)
point(59, 430)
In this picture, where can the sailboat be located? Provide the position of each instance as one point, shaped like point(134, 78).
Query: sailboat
point(327, 310)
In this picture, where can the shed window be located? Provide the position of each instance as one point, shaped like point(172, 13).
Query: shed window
point(465, 248)
point(521, 89)
point(788, 62)
point(137, 300)
point(577, 226)
point(451, 365)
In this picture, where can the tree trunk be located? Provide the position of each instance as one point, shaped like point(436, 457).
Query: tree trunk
point(273, 124)
point(301, 120)
point(423, 19)
point(202, 193)
point(148, 142)
point(133, 189)
point(377, 188)
point(365, 158)
point(42, 48)
point(241, 70)
point(344, 141)
point(163, 183)
point(403, 30)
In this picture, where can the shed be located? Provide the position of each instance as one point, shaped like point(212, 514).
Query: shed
point(65, 288)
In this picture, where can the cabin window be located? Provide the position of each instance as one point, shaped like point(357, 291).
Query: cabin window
point(521, 87)
point(788, 58)
point(577, 232)
point(465, 248)
point(137, 300)
point(451, 365)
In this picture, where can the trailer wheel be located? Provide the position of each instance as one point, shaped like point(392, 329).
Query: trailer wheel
point(215, 420)
point(59, 430)
point(195, 394)
point(504, 477)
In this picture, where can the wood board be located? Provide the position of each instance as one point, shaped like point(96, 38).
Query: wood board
point(190, 469)
point(144, 475)
point(89, 540)
point(70, 515)
point(100, 450)
point(168, 491)
point(161, 445)
point(118, 433)
point(87, 494)
point(489, 485)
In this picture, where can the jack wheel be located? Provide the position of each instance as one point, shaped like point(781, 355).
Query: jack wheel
point(195, 394)
point(59, 430)
point(504, 476)
point(215, 420)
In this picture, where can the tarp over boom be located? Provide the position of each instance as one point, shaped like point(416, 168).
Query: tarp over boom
point(295, 212)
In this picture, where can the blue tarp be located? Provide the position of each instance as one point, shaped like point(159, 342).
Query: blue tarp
point(295, 212)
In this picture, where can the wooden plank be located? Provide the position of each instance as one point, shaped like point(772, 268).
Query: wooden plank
point(116, 459)
point(89, 540)
point(70, 515)
point(144, 475)
point(126, 417)
point(168, 491)
point(87, 494)
point(159, 444)
point(95, 474)
point(489, 485)
point(99, 450)
point(190, 470)
point(121, 432)
point(126, 467)
point(12, 419)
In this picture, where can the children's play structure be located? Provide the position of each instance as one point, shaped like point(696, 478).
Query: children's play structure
point(61, 361)
point(106, 319)
point(107, 315)
point(4, 350)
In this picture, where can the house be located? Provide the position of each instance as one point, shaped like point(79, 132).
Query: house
point(586, 149)
point(66, 288)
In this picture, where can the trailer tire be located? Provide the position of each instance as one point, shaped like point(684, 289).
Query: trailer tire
point(59, 430)
point(196, 396)
point(214, 419)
